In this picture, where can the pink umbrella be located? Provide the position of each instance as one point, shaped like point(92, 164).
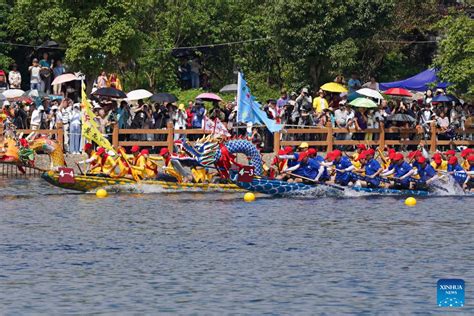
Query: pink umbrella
point(209, 97)
point(64, 78)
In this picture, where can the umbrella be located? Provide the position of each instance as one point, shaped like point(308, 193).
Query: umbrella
point(139, 94)
point(400, 117)
point(13, 93)
point(442, 98)
point(370, 93)
point(363, 103)
point(209, 97)
point(64, 78)
point(400, 92)
point(333, 87)
point(36, 94)
point(110, 92)
point(163, 97)
point(229, 88)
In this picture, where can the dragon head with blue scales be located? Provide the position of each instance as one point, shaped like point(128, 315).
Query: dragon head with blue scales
point(215, 151)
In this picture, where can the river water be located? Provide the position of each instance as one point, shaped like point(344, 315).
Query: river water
point(68, 253)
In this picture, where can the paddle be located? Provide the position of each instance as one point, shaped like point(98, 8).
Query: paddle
point(335, 186)
point(79, 167)
point(134, 175)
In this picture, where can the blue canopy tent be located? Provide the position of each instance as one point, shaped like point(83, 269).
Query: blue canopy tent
point(419, 82)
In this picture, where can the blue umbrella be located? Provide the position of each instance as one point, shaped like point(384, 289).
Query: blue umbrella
point(442, 98)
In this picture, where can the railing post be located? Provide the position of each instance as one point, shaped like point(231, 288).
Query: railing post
point(60, 135)
point(329, 137)
point(115, 136)
point(382, 136)
point(170, 136)
point(276, 142)
point(433, 137)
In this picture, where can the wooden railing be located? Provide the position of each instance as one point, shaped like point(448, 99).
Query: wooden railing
point(327, 136)
point(329, 141)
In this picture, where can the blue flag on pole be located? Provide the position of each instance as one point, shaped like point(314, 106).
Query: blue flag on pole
point(248, 110)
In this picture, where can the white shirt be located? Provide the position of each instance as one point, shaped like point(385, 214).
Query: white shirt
point(35, 118)
point(14, 77)
point(341, 117)
point(35, 74)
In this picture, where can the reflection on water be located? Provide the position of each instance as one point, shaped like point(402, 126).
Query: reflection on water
point(213, 254)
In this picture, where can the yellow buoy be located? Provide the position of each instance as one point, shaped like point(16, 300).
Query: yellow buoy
point(249, 197)
point(101, 193)
point(410, 201)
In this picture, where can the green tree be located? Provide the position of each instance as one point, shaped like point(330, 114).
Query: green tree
point(455, 55)
point(321, 38)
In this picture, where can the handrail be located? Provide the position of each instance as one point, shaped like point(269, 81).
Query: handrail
point(327, 139)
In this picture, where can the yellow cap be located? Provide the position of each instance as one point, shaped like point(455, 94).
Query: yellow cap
point(303, 145)
point(181, 106)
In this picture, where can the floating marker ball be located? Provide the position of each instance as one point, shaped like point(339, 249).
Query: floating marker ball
point(411, 201)
point(101, 193)
point(249, 197)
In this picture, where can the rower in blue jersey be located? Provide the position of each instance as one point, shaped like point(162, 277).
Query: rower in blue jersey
point(343, 167)
point(456, 171)
point(469, 183)
point(371, 167)
point(426, 172)
point(308, 169)
point(401, 171)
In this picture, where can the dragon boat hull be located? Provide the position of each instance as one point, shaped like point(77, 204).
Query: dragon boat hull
point(279, 187)
point(86, 183)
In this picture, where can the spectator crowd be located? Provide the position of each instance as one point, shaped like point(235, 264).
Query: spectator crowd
point(57, 107)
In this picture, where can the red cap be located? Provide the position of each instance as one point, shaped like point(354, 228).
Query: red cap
point(303, 155)
point(398, 157)
point(453, 160)
point(414, 154)
point(87, 146)
point(437, 158)
point(281, 152)
point(450, 153)
point(391, 150)
point(336, 153)
point(370, 151)
point(361, 146)
point(421, 159)
point(391, 155)
point(145, 152)
point(100, 151)
point(164, 151)
point(288, 149)
point(362, 155)
point(2, 73)
point(470, 158)
point(329, 156)
point(312, 151)
point(466, 152)
point(135, 149)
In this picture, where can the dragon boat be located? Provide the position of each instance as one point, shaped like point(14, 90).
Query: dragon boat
point(279, 187)
point(87, 183)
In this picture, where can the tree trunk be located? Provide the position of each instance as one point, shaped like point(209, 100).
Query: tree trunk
point(315, 69)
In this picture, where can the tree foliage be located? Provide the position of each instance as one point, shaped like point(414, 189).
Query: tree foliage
point(286, 44)
point(455, 57)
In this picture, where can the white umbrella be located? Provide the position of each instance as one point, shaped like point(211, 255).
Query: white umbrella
point(139, 94)
point(64, 78)
point(13, 93)
point(370, 93)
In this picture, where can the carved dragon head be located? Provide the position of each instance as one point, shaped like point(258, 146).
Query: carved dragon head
point(204, 150)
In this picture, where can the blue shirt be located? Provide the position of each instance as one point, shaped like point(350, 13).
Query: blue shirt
point(371, 168)
point(426, 173)
point(343, 163)
point(459, 174)
point(401, 170)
